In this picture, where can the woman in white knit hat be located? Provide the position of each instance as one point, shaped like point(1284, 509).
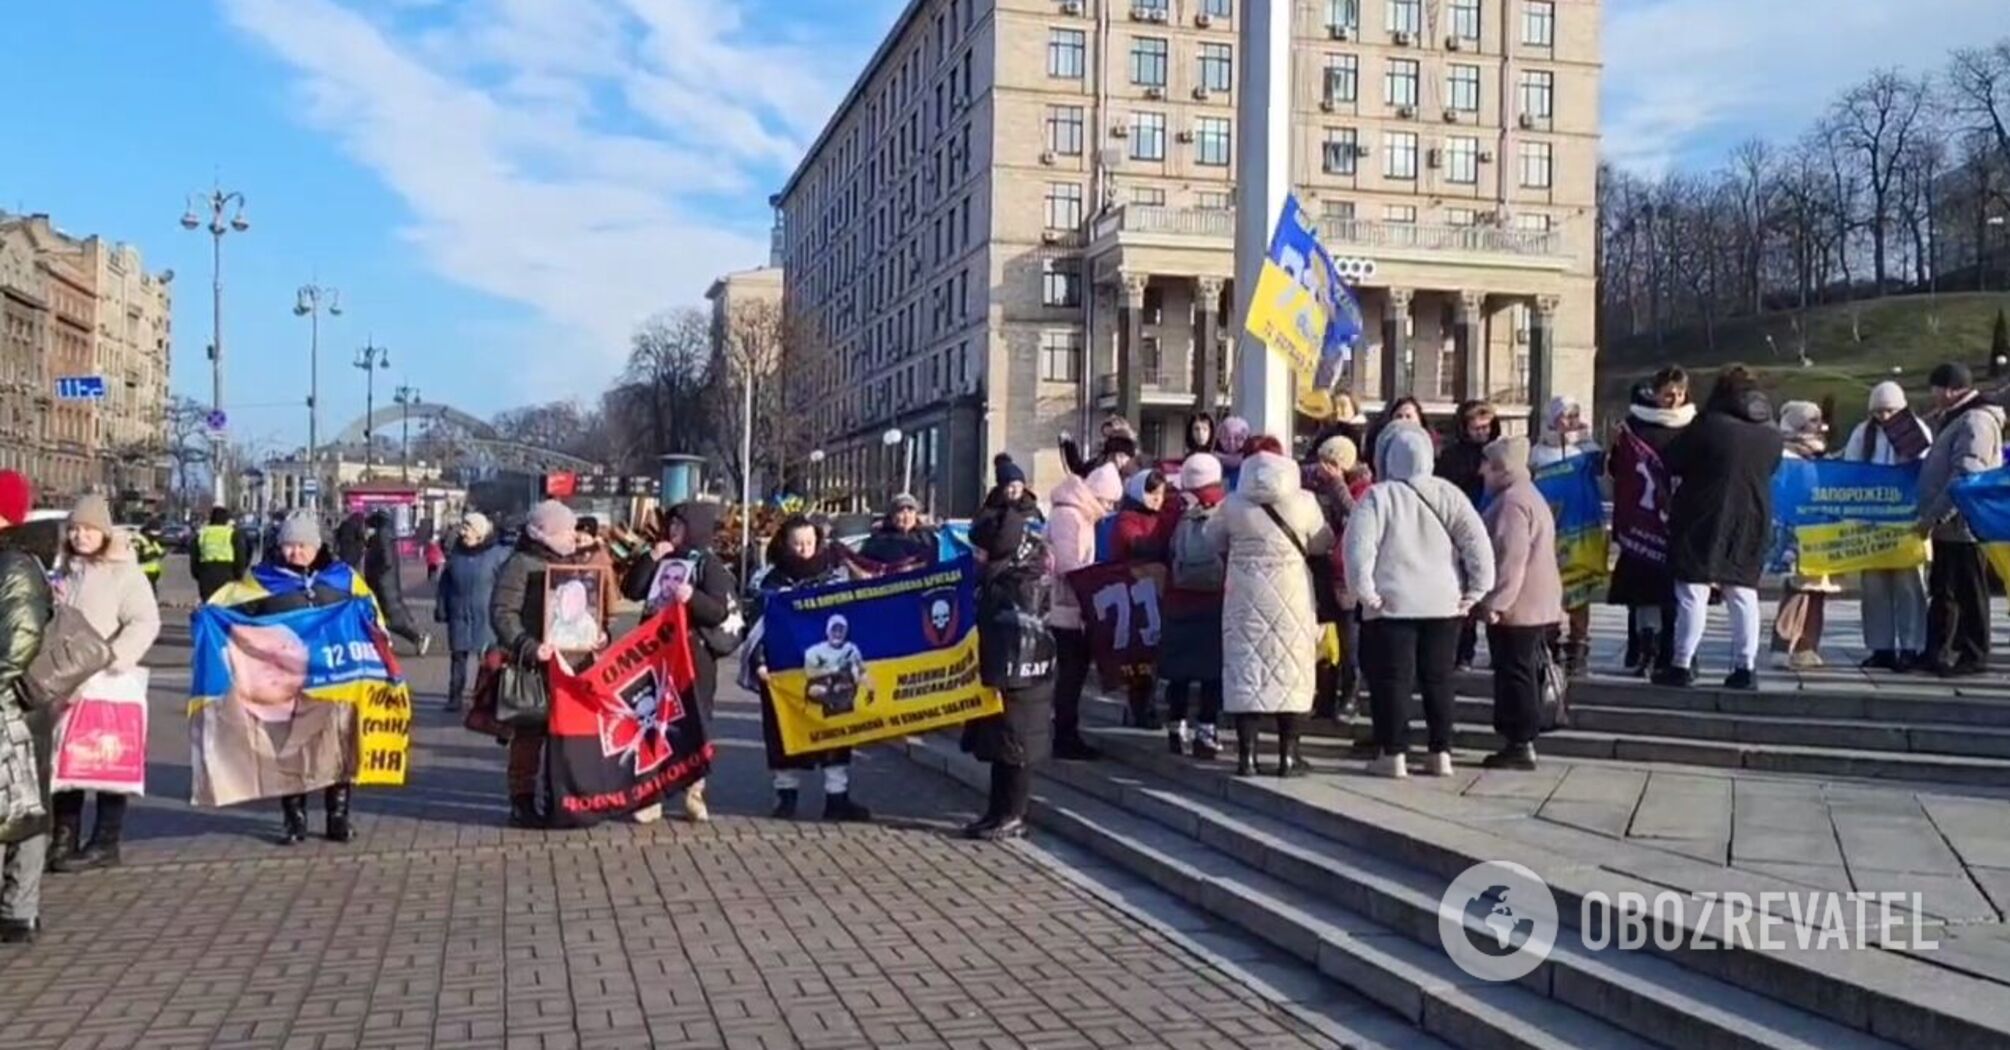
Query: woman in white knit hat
point(1797, 629)
point(1894, 600)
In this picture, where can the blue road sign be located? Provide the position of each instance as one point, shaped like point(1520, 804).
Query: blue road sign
point(80, 388)
point(310, 486)
point(217, 420)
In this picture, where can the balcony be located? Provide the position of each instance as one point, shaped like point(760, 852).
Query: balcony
point(1159, 219)
point(1201, 230)
point(1410, 236)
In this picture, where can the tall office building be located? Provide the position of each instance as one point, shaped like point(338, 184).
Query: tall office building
point(1020, 218)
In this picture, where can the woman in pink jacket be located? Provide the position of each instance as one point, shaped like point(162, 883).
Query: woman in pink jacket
point(1079, 503)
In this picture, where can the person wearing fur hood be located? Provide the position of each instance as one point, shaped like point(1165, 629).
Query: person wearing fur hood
point(1658, 413)
point(98, 575)
point(1797, 628)
point(1894, 600)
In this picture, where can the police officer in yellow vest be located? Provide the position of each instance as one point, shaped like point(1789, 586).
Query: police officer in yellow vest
point(149, 549)
point(219, 554)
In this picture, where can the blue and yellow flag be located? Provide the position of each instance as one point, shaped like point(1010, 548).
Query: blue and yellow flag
point(1300, 309)
point(1984, 502)
point(1582, 548)
point(1834, 516)
point(293, 702)
point(864, 660)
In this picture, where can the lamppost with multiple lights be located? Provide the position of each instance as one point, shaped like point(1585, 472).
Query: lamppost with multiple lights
point(370, 358)
point(309, 302)
point(218, 202)
point(406, 397)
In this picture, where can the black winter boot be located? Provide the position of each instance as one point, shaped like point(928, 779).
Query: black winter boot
point(63, 834)
point(785, 804)
point(103, 850)
point(1245, 745)
point(839, 806)
point(293, 820)
point(337, 803)
point(523, 812)
point(1290, 760)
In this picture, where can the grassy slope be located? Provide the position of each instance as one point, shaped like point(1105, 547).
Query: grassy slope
point(1895, 332)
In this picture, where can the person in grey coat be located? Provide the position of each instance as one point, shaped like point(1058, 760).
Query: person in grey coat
point(461, 600)
point(1970, 442)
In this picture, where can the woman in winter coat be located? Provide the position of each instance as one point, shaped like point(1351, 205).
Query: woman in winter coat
point(25, 609)
point(1894, 600)
point(1119, 446)
point(1190, 641)
point(1721, 522)
point(1473, 428)
point(1138, 533)
point(1231, 445)
point(798, 557)
point(1079, 503)
point(1337, 481)
point(1199, 434)
point(1404, 409)
point(99, 576)
point(466, 589)
point(352, 538)
point(1526, 601)
point(1009, 514)
point(1797, 627)
point(1016, 657)
point(1566, 435)
point(383, 572)
point(713, 616)
point(1641, 488)
point(1269, 622)
point(1419, 561)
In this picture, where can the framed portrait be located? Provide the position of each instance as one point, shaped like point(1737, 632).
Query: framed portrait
point(669, 574)
point(572, 596)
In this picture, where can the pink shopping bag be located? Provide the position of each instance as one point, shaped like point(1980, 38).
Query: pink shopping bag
point(101, 742)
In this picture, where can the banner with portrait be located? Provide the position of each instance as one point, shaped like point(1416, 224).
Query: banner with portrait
point(1833, 516)
point(626, 731)
point(1121, 611)
point(294, 702)
point(1582, 548)
point(863, 660)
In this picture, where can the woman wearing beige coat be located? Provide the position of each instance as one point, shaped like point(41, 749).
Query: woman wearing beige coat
point(98, 575)
point(1269, 622)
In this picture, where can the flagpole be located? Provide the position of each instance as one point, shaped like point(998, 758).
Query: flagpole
point(1263, 179)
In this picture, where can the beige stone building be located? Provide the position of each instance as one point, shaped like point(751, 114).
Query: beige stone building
point(1022, 216)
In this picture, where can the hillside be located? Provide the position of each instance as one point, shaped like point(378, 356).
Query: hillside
point(1849, 347)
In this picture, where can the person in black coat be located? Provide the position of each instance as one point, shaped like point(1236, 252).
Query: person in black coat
point(707, 595)
point(1009, 514)
point(1720, 523)
point(1120, 446)
point(1473, 429)
point(1636, 461)
point(384, 573)
point(1016, 656)
point(351, 536)
point(900, 541)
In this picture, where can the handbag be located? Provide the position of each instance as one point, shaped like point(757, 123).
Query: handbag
point(72, 651)
point(1552, 690)
point(523, 698)
point(481, 716)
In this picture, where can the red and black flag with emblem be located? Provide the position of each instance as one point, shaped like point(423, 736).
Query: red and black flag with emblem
point(626, 731)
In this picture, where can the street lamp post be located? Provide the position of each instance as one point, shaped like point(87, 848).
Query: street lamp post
point(892, 437)
point(406, 397)
point(812, 484)
point(217, 202)
point(370, 358)
point(309, 302)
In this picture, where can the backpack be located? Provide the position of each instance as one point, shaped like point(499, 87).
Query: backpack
point(1196, 565)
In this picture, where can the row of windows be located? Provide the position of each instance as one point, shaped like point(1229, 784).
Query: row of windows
point(1460, 157)
point(1150, 60)
point(1535, 89)
point(1538, 19)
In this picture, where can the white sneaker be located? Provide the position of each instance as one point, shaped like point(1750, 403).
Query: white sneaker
point(695, 809)
point(1395, 767)
point(1439, 764)
point(649, 814)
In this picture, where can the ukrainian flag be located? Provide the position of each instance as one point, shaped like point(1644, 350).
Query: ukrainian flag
point(1984, 501)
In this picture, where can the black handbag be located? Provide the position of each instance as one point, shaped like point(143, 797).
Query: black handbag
point(523, 697)
point(71, 652)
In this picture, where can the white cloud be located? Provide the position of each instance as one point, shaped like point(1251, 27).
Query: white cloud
point(1684, 74)
point(550, 154)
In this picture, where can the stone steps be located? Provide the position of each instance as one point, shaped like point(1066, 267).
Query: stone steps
point(1884, 700)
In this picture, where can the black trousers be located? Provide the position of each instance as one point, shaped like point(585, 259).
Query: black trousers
point(1073, 657)
point(1210, 700)
point(1404, 656)
point(1517, 656)
point(68, 808)
point(1957, 606)
point(1011, 790)
point(457, 675)
point(1469, 641)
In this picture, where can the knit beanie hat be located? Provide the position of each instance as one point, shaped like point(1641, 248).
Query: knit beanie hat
point(478, 523)
point(300, 529)
point(92, 510)
point(1199, 471)
point(17, 496)
point(1951, 376)
point(1887, 396)
point(1107, 484)
point(552, 523)
point(1339, 451)
point(1800, 418)
point(1009, 472)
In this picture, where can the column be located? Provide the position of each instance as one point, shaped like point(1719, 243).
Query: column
point(1541, 358)
point(1206, 353)
point(1469, 345)
point(1130, 348)
point(1398, 376)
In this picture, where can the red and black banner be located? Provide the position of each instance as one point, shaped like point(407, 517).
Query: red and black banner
point(1120, 611)
point(626, 731)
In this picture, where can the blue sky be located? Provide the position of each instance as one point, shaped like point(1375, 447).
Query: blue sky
point(503, 188)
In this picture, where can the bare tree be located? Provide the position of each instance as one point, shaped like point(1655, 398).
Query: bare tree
point(765, 346)
point(668, 378)
point(1877, 120)
point(1752, 187)
point(1978, 85)
point(188, 444)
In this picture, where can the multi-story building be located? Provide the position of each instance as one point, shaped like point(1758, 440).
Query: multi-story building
point(132, 356)
point(24, 325)
point(1022, 215)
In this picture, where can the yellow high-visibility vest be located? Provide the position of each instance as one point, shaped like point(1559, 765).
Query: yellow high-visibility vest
point(217, 543)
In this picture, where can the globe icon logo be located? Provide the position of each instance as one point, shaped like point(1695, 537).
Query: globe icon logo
point(1498, 921)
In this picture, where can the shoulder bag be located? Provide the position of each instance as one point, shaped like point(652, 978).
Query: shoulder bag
point(1324, 599)
point(523, 698)
point(71, 652)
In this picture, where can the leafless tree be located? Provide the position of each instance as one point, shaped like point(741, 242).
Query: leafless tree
point(188, 444)
point(764, 345)
point(1752, 186)
point(669, 374)
point(1877, 121)
point(1978, 86)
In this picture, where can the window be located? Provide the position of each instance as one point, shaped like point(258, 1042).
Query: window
point(1060, 357)
point(1538, 90)
point(1462, 160)
point(1065, 48)
point(1064, 130)
point(1406, 16)
point(1148, 62)
point(1400, 214)
point(1148, 136)
point(1466, 19)
point(1211, 141)
point(1217, 67)
point(1217, 8)
point(1060, 283)
point(1462, 89)
point(1461, 217)
point(1343, 14)
point(1534, 222)
point(1343, 78)
point(1149, 196)
point(1064, 205)
point(1400, 159)
point(1535, 165)
point(1331, 212)
point(1341, 152)
point(1150, 5)
point(1214, 200)
point(1399, 84)
point(1538, 23)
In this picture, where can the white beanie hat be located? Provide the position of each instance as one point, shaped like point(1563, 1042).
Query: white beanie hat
point(1199, 471)
point(1801, 417)
point(1887, 396)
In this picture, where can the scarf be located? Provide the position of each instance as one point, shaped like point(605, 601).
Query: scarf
point(1667, 417)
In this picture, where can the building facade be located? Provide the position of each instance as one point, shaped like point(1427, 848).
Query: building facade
point(1022, 216)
